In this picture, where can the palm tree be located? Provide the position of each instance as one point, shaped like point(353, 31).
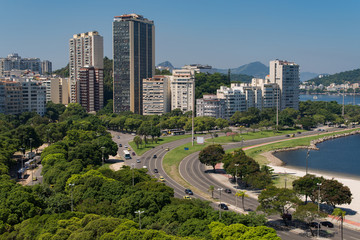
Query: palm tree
point(340, 213)
point(211, 189)
point(243, 195)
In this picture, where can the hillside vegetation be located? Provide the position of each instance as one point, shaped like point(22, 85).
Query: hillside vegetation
point(352, 76)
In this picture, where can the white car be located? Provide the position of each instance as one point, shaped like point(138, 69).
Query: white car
point(138, 160)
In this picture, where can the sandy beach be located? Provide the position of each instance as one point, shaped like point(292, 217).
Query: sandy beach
point(353, 209)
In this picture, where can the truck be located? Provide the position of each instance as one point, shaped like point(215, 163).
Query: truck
point(30, 155)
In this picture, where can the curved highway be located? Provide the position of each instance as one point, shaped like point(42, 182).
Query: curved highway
point(196, 175)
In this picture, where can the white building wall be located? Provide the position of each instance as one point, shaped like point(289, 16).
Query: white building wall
point(182, 90)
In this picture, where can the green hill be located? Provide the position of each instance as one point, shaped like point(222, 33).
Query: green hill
point(352, 76)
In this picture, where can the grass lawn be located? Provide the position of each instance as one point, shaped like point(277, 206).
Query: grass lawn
point(173, 158)
point(252, 135)
point(162, 140)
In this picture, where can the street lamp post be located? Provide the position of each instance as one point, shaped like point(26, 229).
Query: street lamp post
point(319, 184)
point(72, 201)
point(220, 189)
point(236, 166)
point(103, 160)
point(133, 167)
point(307, 157)
point(30, 139)
point(139, 212)
point(22, 161)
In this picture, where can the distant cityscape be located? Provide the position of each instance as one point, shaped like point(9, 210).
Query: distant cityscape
point(26, 84)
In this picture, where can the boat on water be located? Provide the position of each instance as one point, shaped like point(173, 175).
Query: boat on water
point(315, 97)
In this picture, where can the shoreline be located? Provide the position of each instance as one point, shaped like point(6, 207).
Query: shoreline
point(353, 182)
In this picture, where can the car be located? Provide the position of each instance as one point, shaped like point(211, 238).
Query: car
point(133, 134)
point(125, 146)
point(188, 191)
point(187, 197)
point(227, 190)
point(287, 135)
point(315, 225)
point(156, 171)
point(145, 167)
point(223, 206)
point(287, 216)
point(167, 149)
point(34, 178)
point(133, 153)
point(118, 137)
point(120, 145)
point(155, 156)
point(327, 224)
point(129, 149)
point(161, 179)
point(138, 160)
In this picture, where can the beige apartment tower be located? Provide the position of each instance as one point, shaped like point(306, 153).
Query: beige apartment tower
point(86, 49)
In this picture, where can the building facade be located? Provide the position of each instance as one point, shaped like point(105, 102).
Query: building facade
point(183, 90)
point(286, 75)
point(46, 67)
point(86, 49)
point(210, 106)
point(156, 95)
point(57, 90)
point(234, 100)
point(134, 60)
point(15, 62)
point(33, 97)
point(90, 88)
point(11, 97)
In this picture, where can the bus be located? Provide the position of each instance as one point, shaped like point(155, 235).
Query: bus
point(127, 154)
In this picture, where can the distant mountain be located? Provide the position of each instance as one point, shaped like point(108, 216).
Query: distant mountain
point(304, 76)
point(256, 69)
point(352, 76)
point(165, 64)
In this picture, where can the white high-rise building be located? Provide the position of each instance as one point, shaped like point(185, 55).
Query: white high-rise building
point(234, 100)
point(183, 90)
point(34, 97)
point(286, 75)
point(86, 49)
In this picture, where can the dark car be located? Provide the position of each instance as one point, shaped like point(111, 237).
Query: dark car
point(155, 156)
point(156, 171)
point(315, 225)
point(133, 153)
point(223, 206)
point(327, 224)
point(120, 145)
point(188, 191)
point(287, 216)
point(227, 190)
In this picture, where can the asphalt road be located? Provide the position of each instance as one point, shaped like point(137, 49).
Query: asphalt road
point(195, 173)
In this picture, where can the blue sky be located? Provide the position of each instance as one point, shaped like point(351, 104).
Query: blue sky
point(322, 36)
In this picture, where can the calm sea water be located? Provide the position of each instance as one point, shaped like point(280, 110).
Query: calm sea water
point(341, 156)
point(327, 98)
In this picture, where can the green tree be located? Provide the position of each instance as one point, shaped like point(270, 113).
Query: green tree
point(335, 193)
point(211, 155)
point(341, 214)
point(221, 123)
point(308, 213)
point(137, 141)
point(277, 200)
point(242, 195)
point(211, 189)
point(307, 186)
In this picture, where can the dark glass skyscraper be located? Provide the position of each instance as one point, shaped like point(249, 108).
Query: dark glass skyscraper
point(134, 60)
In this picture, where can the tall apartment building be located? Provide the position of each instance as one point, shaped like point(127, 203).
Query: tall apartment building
point(183, 90)
point(210, 106)
point(91, 92)
point(10, 97)
point(86, 49)
point(156, 95)
point(270, 92)
point(46, 67)
point(134, 60)
point(286, 75)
